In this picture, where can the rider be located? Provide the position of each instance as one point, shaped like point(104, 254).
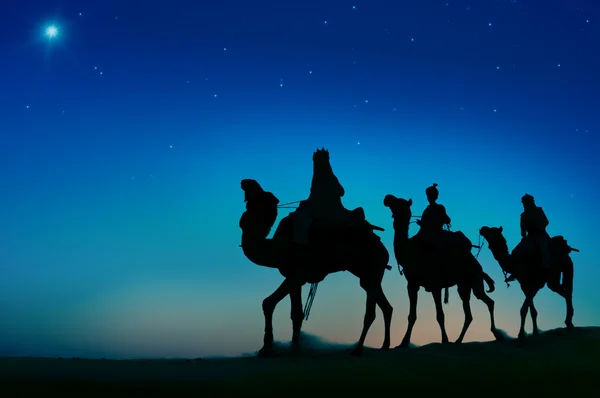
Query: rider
point(434, 217)
point(533, 228)
point(324, 201)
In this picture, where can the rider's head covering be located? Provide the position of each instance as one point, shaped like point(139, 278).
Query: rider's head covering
point(251, 188)
point(527, 198)
point(432, 191)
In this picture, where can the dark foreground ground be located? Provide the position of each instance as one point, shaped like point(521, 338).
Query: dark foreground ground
point(555, 363)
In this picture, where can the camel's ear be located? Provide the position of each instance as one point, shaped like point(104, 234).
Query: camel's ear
point(410, 202)
point(500, 229)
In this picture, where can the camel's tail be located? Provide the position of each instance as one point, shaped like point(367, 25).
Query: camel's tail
point(490, 282)
point(446, 295)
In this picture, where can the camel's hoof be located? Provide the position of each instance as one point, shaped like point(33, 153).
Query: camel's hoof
point(570, 325)
point(459, 341)
point(521, 336)
point(445, 341)
point(356, 352)
point(497, 335)
point(266, 352)
point(536, 332)
point(385, 347)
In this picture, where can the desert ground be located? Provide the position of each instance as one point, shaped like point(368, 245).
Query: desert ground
point(554, 363)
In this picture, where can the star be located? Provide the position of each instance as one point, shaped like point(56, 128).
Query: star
point(51, 31)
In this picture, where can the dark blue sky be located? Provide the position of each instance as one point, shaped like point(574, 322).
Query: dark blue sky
point(126, 135)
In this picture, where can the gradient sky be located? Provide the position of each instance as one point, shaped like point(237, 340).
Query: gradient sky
point(125, 137)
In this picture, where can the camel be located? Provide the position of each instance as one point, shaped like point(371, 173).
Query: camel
point(530, 275)
point(426, 270)
point(331, 248)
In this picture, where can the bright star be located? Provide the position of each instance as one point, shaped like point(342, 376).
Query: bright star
point(51, 31)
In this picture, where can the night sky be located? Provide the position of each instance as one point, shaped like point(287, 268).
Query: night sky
point(127, 126)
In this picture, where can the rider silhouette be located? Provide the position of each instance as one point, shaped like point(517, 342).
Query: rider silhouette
point(324, 201)
point(533, 229)
point(434, 217)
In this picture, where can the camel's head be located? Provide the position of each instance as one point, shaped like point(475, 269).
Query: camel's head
point(321, 157)
point(261, 209)
point(493, 235)
point(399, 207)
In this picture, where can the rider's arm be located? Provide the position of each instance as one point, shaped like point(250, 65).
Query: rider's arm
point(341, 190)
point(445, 216)
point(543, 218)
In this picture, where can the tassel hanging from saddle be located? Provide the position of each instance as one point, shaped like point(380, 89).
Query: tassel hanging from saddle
point(446, 295)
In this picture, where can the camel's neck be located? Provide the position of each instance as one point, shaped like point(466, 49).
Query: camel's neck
point(501, 255)
point(400, 240)
point(260, 251)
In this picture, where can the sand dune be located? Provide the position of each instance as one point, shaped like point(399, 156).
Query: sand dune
point(554, 363)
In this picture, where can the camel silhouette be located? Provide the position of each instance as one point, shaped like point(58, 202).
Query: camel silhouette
point(434, 271)
point(525, 266)
point(346, 241)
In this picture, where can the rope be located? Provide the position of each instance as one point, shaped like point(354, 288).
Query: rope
point(479, 245)
point(309, 300)
point(283, 205)
point(506, 277)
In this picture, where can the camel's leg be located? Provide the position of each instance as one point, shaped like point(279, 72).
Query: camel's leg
point(439, 313)
point(413, 296)
point(562, 290)
point(524, 310)
point(480, 294)
point(375, 296)
point(370, 315)
point(570, 311)
point(534, 315)
point(567, 283)
point(268, 306)
point(464, 291)
point(297, 314)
